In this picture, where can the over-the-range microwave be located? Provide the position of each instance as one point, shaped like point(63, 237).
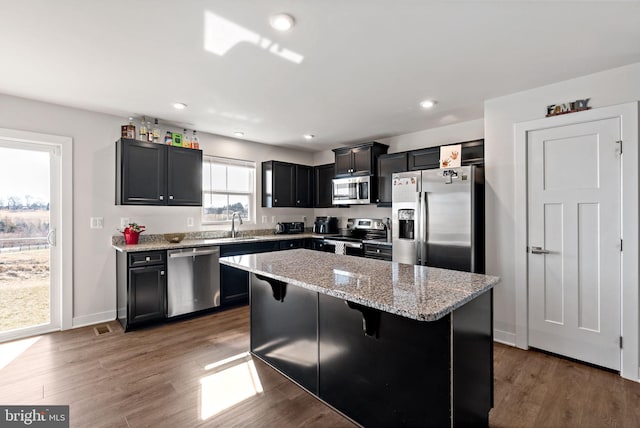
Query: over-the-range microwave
point(352, 190)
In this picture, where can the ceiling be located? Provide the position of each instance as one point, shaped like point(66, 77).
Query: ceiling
point(349, 71)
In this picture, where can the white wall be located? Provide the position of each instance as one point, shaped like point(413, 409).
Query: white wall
point(610, 87)
point(94, 136)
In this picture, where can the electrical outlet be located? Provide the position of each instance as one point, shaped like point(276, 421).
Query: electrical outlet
point(96, 223)
point(265, 219)
point(124, 221)
point(273, 219)
point(189, 221)
point(304, 218)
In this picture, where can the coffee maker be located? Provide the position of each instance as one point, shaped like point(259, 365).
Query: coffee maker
point(325, 225)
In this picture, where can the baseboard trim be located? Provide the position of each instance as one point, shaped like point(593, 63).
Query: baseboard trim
point(504, 337)
point(97, 318)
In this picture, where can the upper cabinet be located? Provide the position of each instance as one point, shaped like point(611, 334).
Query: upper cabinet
point(387, 165)
point(358, 160)
point(286, 185)
point(155, 174)
point(323, 185)
point(424, 159)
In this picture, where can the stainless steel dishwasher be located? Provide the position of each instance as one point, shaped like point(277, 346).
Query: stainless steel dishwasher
point(193, 280)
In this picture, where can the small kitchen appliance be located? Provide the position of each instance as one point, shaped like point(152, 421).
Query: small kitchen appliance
point(289, 227)
point(326, 225)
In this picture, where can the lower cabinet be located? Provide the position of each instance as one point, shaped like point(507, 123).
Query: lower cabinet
point(141, 288)
point(234, 286)
point(284, 330)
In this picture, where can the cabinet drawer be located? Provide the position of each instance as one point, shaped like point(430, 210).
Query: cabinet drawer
point(288, 245)
point(147, 258)
point(382, 252)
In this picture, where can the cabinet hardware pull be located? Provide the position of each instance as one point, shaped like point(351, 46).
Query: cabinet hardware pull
point(161, 272)
point(161, 197)
point(539, 250)
point(147, 259)
point(170, 196)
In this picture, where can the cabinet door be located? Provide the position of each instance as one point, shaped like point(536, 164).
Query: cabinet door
point(284, 325)
point(473, 153)
point(323, 185)
point(184, 176)
point(291, 244)
point(284, 178)
point(234, 285)
point(147, 294)
point(424, 159)
point(344, 163)
point(362, 161)
point(142, 175)
point(304, 186)
point(387, 165)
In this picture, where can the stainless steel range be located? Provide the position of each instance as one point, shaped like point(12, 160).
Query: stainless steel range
point(359, 230)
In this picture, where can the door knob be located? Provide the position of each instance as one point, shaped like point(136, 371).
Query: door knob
point(539, 250)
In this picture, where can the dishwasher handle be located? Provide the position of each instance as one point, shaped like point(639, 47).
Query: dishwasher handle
point(193, 253)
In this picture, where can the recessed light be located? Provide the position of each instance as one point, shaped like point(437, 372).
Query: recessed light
point(239, 134)
point(179, 106)
point(309, 136)
point(427, 103)
point(282, 21)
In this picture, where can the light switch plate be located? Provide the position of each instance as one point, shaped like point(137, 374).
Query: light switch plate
point(304, 218)
point(96, 223)
point(265, 219)
point(189, 221)
point(273, 219)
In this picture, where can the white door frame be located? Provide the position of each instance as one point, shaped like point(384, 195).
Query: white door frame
point(628, 114)
point(65, 234)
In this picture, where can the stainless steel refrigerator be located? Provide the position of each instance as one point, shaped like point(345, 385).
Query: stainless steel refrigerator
point(438, 218)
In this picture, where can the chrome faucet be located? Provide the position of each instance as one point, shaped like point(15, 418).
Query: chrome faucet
point(233, 223)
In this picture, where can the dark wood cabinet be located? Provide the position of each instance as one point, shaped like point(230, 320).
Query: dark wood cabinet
point(234, 286)
point(155, 174)
point(284, 329)
point(286, 185)
point(323, 185)
point(424, 159)
point(234, 283)
point(184, 176)
point(387, 165)
point(358, 160)
point(304, 186)
point(473, 152)
point(141, 288)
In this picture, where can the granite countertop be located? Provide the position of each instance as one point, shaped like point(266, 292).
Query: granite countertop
point(418, 292)
point(162, 244)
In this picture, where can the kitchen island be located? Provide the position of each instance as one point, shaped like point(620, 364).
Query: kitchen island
point(384, 343)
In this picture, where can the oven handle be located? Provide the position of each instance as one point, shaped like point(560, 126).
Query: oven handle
point(346, 244)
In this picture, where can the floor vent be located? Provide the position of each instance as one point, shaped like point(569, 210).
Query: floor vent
point(102, 329)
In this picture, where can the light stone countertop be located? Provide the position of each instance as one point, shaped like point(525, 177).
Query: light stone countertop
point(162, 244)
point(418, 292)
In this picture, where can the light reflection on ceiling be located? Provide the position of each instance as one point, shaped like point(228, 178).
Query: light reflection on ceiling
point(221, 35)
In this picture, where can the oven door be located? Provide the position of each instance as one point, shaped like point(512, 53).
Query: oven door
point(351, 191)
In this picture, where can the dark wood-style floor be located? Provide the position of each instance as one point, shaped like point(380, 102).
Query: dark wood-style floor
point(161, 377)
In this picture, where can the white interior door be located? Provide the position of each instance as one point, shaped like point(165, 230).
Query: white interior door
point(574, 240)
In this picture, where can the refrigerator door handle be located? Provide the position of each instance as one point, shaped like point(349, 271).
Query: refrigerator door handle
point(418, 229)
point(424, 228)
